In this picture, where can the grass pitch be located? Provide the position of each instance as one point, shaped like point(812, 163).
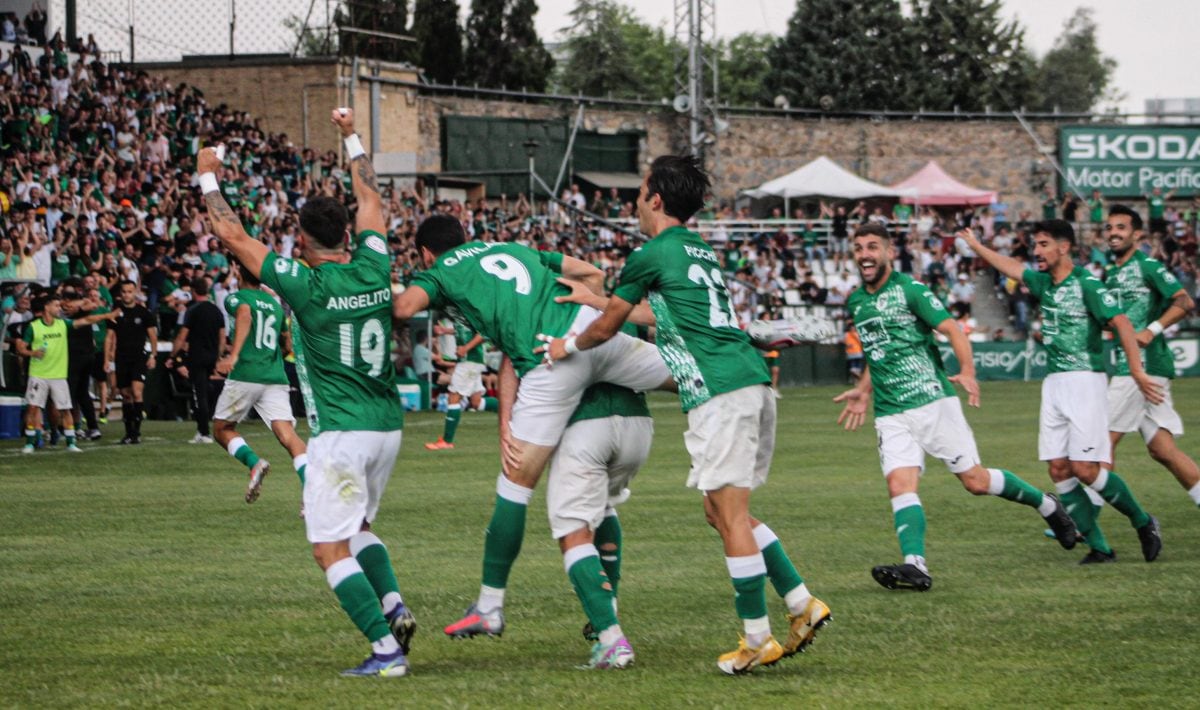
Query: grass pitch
point(138, 577)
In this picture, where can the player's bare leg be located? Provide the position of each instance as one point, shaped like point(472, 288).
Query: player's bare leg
point(1163, 449)
point(1007, 485)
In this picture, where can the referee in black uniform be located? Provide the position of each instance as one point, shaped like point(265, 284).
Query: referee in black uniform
point(125, 352)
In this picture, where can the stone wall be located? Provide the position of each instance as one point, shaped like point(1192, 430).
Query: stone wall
point(996, 155)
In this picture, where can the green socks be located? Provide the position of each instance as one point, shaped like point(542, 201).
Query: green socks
point(1075, 499)
point(591, 585)
point(783, 574)
point(357, 598)
point(1113, 490)
point(491, 404)
point(909, 517)
point(749, 585)
point(1009, 486)
point(240, 450)
point(300, 463)
point(608, 542)
point(453, 417)
point(502, 540)
point(372, 556)
point(31, 437)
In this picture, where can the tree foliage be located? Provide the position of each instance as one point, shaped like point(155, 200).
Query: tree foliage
point(743, 65)
point(439, 50)
point(851, 52)
point(1075, 76)
point(390, 16)
point(611, 52)
point(503, 48)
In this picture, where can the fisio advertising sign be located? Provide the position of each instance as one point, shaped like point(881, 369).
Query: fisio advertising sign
point(1130, 161)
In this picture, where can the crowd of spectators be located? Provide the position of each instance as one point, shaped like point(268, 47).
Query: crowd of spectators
point(98, 183)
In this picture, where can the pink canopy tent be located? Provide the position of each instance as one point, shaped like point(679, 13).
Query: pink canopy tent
point(935, 187)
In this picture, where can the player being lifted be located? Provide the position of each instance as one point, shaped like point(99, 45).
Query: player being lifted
point(1153, 300)
point(256, 380)
point(916, 408)
point(1073, 423)
point(506, 292)
point(341, 306)
point(465, 383)
point(724, 389)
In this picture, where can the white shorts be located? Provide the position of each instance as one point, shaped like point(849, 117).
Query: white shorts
point(938, 428)
point(467, 379)
point(731, 438)
point(272, 402)
point(549, 395)
point(1129, 411)
point(345, 479)
point(1074, 419)
point(58, 391)
point(594, 463)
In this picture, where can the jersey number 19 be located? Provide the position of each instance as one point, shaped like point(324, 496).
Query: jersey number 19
point(371, 346)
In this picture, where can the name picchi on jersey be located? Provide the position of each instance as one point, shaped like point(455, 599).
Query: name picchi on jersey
point(466, 253)
point(359, 300)
point(698, 253)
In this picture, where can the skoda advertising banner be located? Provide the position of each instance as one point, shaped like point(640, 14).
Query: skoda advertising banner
point(1130, 161)
point(1027, 361)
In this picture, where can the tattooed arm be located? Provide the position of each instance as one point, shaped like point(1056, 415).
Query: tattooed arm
point(362, 177)
point(224, 221)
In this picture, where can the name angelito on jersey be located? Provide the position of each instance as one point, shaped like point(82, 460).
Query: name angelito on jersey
point(360, 300)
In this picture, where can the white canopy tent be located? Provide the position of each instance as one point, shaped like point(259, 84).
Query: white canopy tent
point(825, 178)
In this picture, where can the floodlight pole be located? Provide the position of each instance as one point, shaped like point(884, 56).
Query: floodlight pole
point(531, 147)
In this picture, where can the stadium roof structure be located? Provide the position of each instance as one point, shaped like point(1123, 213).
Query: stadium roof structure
point(825, 178)
point(935, 187)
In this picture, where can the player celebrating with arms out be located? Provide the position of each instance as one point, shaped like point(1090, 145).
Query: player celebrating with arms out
point(1073, 423)
point(724, 390)
point(342, 321)
point(916, 409)
point(1154, 301)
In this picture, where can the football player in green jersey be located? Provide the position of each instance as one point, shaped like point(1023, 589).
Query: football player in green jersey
point(916, 409)
point(507, 293)
point(1073, 424)
point(465, 382)
point(341, 306)
point(1154, 300)
point(724, 390)
point(256, 380)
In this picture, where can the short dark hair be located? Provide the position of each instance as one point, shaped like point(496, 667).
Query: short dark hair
point(200, 286)
point(1132, 214)
point(873, 229)
point(440, 233)
point(121, 285)
point(681, 183)
point(246, 274)
point(325, 219)
point(1059, 229)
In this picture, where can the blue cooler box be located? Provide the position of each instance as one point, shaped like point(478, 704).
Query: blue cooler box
point(410, 395)
point(10, 417)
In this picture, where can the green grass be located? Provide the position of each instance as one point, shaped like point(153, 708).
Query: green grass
point(137, 576)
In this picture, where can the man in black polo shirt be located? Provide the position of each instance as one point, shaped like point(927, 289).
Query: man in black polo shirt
point(202, 335)
point(81, 353)
point(125, 353)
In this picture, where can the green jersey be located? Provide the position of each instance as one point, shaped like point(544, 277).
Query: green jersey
point(342, 335)
point(1049, 208)
point(1074, 313)
point(1144, 288)
point(895, 325)
point(504, 291)
point(261, 360)
point(1097, 207)
point(462, 336)
point(100, 328)
point(1158, 206)
point(603, 399)
point(698, 333)
point(53, 337)
point(902, 212)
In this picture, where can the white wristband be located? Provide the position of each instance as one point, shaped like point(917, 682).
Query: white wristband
point(208, 183)
point(1155, 327)
point(353, 146)
point(570, 346)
